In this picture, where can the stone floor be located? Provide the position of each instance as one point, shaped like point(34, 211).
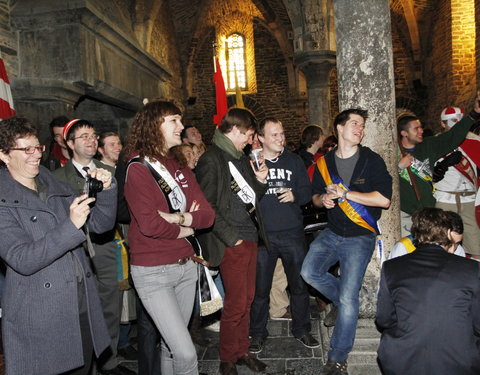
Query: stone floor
point(286, 356)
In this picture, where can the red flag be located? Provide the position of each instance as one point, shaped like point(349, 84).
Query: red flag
point(6, 100)
point(220, 94)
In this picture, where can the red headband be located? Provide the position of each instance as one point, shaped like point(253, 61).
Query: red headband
point(67, 126)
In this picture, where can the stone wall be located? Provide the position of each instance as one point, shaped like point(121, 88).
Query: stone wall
point(8, 41)
point(165, 49)
point(77, 57)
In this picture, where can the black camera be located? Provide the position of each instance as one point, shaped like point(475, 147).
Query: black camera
point(92, 186)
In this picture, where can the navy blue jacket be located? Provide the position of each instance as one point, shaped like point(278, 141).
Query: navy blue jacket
point(288, 168)
point(428, 313)
point(370, 174)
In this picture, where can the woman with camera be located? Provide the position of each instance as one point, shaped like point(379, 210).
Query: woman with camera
point(52, 321)
point(166, 205)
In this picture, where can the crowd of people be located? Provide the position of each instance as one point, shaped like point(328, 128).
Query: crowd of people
point(93, 226)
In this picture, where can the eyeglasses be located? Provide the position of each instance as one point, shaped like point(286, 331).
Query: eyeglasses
point(30, 149)
point(86, 137)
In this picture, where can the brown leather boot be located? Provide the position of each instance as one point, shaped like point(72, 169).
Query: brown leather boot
point(254, 364)
point(228, 368)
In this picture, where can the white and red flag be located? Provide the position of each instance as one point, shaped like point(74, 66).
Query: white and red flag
point(6, 100)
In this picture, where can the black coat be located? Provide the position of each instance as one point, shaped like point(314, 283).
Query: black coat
point(214, 179)
point(429, 314)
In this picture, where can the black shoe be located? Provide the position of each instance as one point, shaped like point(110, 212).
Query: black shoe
point(254, 364)
point(331, 317)
point(334, 368)
point(228, 368)
point(309, 341)
point(256, 345)
point(119, 370)
point(129, 353)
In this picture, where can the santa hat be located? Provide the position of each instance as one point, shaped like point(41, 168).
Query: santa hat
point(451, 115)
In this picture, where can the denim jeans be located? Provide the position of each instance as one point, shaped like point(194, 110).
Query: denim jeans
point(167, 292)
point(290, 247)
point(354, 254)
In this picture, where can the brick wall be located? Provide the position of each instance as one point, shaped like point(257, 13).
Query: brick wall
point(403, 65)
point(463, 51)
point(438, 63)
point(477, 44)
point(270, 99)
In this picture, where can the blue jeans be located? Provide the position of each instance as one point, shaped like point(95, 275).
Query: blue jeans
point(167, 293)
point(290, 247)
point(354, 254)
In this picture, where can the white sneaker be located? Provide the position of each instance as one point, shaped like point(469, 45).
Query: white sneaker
point(214, 327)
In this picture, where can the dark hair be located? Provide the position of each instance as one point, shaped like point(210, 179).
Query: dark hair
point(58, 122)
point(12, 129)
point(430, 226)
point(344, 116)
point(79, 124)
point(184, 131)
point(310, 135)
point(261, 125)
point(145, 136)
point(330, 141)
point(241, 118)
point(403, 124)
point(455, 221)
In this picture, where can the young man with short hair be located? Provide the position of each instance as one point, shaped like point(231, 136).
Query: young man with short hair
point(233, 188)
point(109, 148)
point(82, 141)
point(417, 159)
point(353, 183)
point(289, 189)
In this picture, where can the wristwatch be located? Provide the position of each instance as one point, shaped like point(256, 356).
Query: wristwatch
point(181, 220)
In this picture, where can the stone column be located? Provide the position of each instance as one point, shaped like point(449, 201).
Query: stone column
point(366, 80)
point(317, 65)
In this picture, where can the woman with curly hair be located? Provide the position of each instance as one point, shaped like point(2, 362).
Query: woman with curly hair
point(166, 206)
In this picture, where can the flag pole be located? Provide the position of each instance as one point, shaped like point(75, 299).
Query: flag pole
point(214, 47)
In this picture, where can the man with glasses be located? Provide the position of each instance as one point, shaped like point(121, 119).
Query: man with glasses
point(82, 141)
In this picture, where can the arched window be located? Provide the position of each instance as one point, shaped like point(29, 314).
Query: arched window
point(236, 61)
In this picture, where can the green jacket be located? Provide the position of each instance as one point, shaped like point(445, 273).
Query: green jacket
point(432, 148)
point(69, 174)
point(214, 178)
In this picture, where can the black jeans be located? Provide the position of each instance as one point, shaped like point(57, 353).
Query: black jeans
point(148, 341)
point(290, 247)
